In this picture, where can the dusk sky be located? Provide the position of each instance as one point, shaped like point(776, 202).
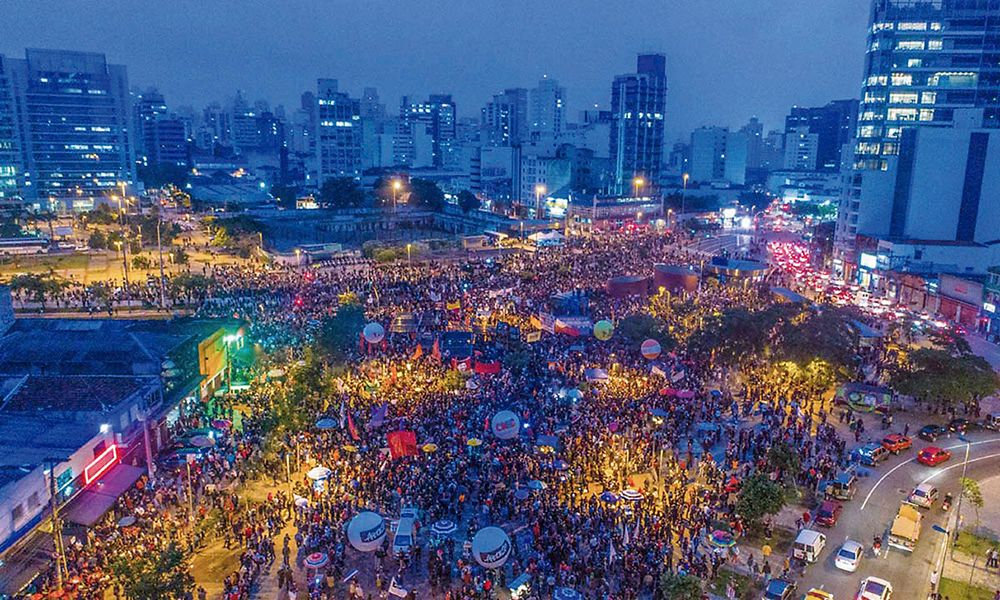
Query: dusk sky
point(726, 59)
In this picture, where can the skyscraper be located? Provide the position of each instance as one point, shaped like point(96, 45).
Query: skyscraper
point(505, 118)
point(11, 169)
point(925, 59)
point(638, 102)
point(434, 118)
point(548, 108)
point(160, 137)
point(74, 120)
point(754, 131)
point(833, 125)
point(338, 135)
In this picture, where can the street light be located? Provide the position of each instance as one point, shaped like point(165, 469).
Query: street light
point(396, 186)
point(684, 192)
point(961, 492)
point(539, 192)
point(408, 246)
point(637, 184)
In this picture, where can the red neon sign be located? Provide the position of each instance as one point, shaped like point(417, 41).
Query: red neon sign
point(104, 461)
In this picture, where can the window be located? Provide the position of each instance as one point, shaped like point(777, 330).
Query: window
point(902, 79)
point(952, 79)
point(926, 114)
point(928, 97)
point(903, 98)
point(17, 513)
point(912, 26)
point(914, 63)
point(910, 45)
point(902, 114)
point(99, 448)
point(935, 44)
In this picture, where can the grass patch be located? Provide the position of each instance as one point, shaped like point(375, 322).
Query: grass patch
point(781, 540)
point(959, 590)
point(745, 587)
point(43, 264)
point(974, 545)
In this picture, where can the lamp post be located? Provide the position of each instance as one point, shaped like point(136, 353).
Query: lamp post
point(408, 247)
point(396, 186)
point(684, 193)
point(637, 185)
point(961, 493)
point(539, 192)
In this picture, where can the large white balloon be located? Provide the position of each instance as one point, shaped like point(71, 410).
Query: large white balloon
point(366, 531)
point(505, 425)
point(491, 547)
point(374, 333)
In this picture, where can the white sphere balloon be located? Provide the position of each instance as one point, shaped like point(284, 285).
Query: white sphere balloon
point(505, 425)
point(366, 531)
point(491, 547)
point(374, 333)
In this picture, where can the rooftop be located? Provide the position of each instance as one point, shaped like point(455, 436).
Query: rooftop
point(70, 393)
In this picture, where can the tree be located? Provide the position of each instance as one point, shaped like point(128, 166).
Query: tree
point(680, 587)
point(641, 326)
point(754, 198)
point(38, 287)
point(159, 576)
point(338, 335)
point(468, 201)
point(341, 192)
point(179, 256)
point(759, 497)
point(140, 262)
point(972, 493)
point(161, 174)
point(426, 193)
point(285, 195)
point(97, 241)
point(783, 459)
point(937, 374)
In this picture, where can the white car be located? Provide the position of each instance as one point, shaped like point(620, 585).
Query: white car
point(924, 495)
point(849, 556)
point(874, 588)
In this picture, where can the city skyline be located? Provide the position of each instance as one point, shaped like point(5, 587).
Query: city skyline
point(713, 51)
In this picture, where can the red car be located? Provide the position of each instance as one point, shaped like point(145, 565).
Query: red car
point(896, 443)
point(932, 455)
point(828, 513)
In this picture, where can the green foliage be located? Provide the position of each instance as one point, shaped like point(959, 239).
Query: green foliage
point(102, 215)
point(468, 201)
point(783, 458)
point(517, 361)
point(755, 199)
point(285, 195)
point(191, 284)
point(819, 212)
point(973, 494)
point(680, 587)
point(141, 262)
point(179, 256)
point(154, 576)
point(98, 241)
point(10, 228)
point(341, 192)
point(827, 335)
point(339, 335)
point(642, 326)
point(759, 497)
point(938, 374)
point(426, 193)
point(161, 174)
point(39, 287)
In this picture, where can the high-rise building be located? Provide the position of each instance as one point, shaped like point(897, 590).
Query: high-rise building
point(801, 149)
point(718, 154)
point(754, 132)
point(638, 104)
point(833, 125)
point(505, 118)
point(243, 123)
point(74, 121)
point(925, 59)
point(338, 132)
point(161, 138)
point(433, 119)
point(548, 108)
point(11, 159)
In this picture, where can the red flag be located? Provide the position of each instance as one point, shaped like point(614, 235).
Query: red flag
point(402, 443)
point(392, 374)
point(436, 351)
point(487, 368)
point(461, 365)
point(417, 353)
point(352, 428)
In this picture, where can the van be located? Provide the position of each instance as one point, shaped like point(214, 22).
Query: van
point(871, 454)
point(842, 487)
point(808, 545)
point(402, 541)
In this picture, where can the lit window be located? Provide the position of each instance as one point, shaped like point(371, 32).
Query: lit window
point(910, 45)
point(928, 97)
point(902, 79)
point(912, 27)
point(902, 114)
point(926, 114)
point(936, 44)
point(914, 63)
point(903, 97)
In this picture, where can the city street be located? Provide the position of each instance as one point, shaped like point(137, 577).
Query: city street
point(873, 508)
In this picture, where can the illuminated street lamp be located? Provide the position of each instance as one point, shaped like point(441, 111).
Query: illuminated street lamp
point(408, 247)
point(396, 186)
point(539, 192)
point(637, 185)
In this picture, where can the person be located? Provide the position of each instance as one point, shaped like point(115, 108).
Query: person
point(934, 579)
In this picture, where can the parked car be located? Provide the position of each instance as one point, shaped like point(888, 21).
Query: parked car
point(992, 422)
point(779, 589)
point(817, 594)
point(896, 443)
point(932, 432)
point(849, 556)
point(932, 456)
point(924, 495)
point(871, 454)
point(828, 513)
point(874, 588)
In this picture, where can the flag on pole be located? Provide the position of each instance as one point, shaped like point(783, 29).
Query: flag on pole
point(397, 590)
point(611, 552)
point(343, 414)
point(436, 350)
point(352, 428)
point(417, 353)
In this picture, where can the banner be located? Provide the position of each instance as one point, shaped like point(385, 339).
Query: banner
point(402, 443)
point(487, 368)
point(378, 415)
point(532, 336)
point(461, 365)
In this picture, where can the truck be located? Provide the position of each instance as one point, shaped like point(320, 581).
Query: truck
point(905, 528)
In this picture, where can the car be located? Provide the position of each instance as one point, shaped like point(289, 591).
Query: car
point(779, 589)
point(828, 513)
point(896, 443)
point(992, 422)
point(960, 425)
point(874, 588)
point(932, 456)
point(815, 594)
point(924, 495)
point(841, 487)
point(931, 432)
point(870, 454)
point(849, 556)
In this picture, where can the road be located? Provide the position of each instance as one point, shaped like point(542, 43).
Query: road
point(875, 505)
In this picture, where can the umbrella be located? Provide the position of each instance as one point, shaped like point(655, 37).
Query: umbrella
point(522, 494)
point(317, 473)
point(722, 539)
point(276, 373)
point(474, 442)
point(301, 502)
point(221, 423)
point(565, 593)
point(631, 495)
point(444, 527)
point(350, 448)
point(201, 441)
point(716, 393)
point(428, 448)
point(560, 465)
point(326, 423)
point(536, 485)
point(609, 497)
point(127, 521)
point(317, 560)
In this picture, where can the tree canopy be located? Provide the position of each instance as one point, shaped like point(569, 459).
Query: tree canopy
point(943, 375)
point(468, 201)
point(759, 497)
point(426, 193)
point(341, 192)
point(339, 334)
point(154, 576)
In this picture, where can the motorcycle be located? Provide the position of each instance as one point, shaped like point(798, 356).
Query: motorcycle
point(946, 503)
point(876, 546)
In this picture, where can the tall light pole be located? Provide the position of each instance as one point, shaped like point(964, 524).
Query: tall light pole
point(637, 185)
point(684, 193)
point(961, 493)
point(396, 186)
point(539, 192)
point(123, 222)
point(408, 246)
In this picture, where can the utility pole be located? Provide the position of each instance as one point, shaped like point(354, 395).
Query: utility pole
point(159, 249)
point(122, 208)
point(56, 527)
